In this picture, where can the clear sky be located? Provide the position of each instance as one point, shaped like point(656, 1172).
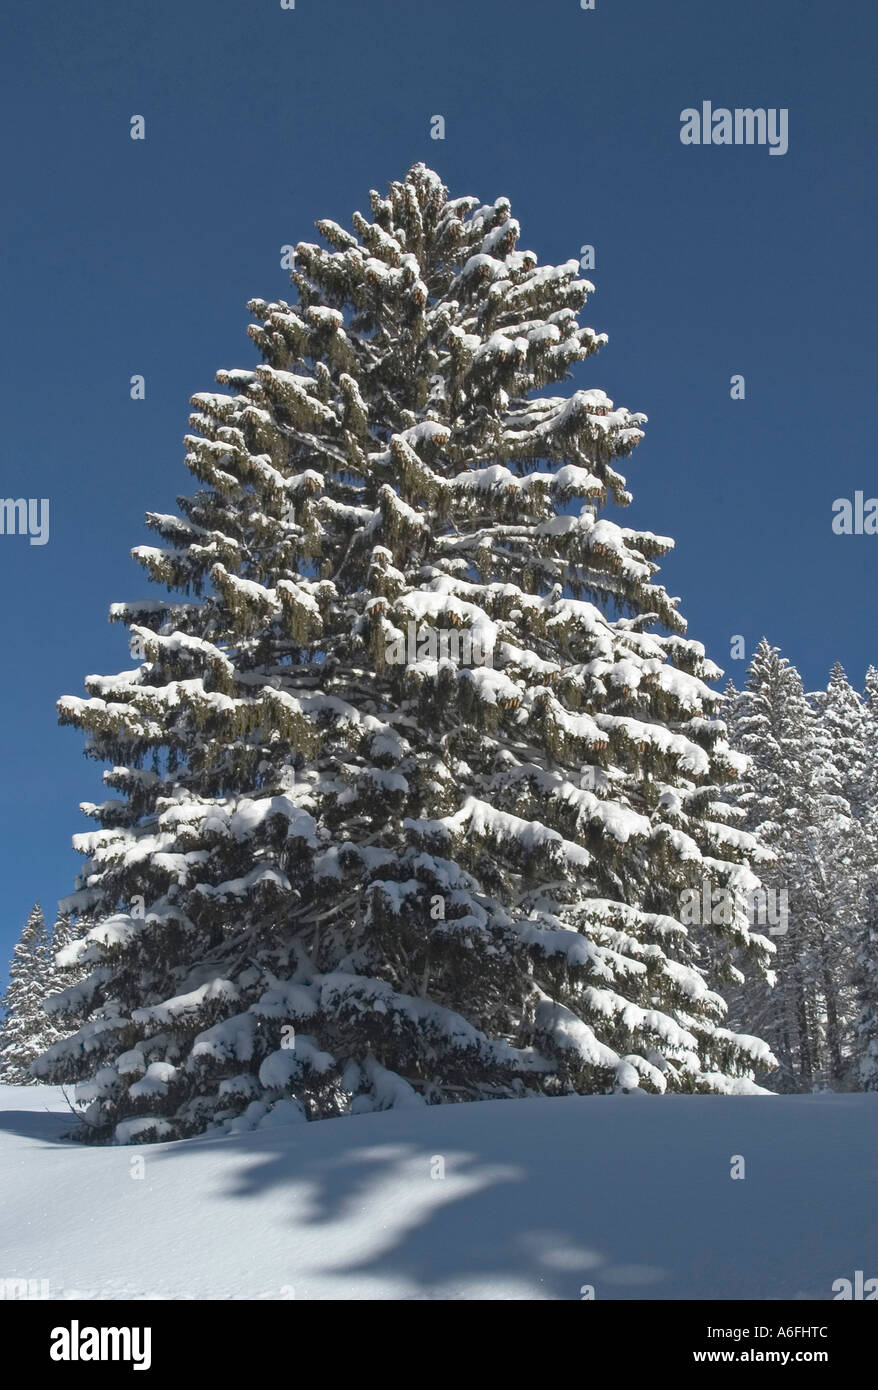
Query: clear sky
point(124, 257)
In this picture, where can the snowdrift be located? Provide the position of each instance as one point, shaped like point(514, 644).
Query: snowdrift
point(629, 1196)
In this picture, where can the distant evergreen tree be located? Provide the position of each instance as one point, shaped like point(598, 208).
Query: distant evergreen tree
point(870, 742)
point(870, 694)
point(368, 875)
point(847, 769)
point(807, 797)
point(769, 723)
point(26, 1031)
point(842, 863)
point(65, 969)
point(866, 956)
point(64, 932)
point(866, 985)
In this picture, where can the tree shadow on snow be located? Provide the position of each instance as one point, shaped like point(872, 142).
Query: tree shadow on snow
point(633, 1198)
point(46, 1126)
point(558, 1198)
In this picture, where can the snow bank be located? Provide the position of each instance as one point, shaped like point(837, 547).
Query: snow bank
point(527, 1199)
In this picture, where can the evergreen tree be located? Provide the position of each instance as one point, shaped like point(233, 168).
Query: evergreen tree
point(64, 932)
point(769, 724)
point(866, 958)
point(341, 873)
point(65, 971)
point(866, 984)
point(842, 862)
point(870, 696)
point(870, 756)
point(806, 797)
point(847, 769)
point(25, 1031)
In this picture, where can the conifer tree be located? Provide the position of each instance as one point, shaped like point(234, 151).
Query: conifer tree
point(865, 977)
point(847, 768)
point(25, 1031)
point(770, 724)
point(843, 861)
point(870, 694)
point(805, 796)
point(866, 950)
point(346, 868)
point(869, 733)
point(64, 932)
point(65, 971)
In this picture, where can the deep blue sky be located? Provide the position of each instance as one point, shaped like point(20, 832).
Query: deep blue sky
point(124, 257)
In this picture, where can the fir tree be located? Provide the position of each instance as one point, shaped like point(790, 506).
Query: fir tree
point(866, 957)
point(26, 1031)
point(866, 984)
point(340, 874)
point(64, 932)
point(842, 861)
point(805, 797)
point(847, 768)
point(770, 723)
point(65, 971)
point(870, 696)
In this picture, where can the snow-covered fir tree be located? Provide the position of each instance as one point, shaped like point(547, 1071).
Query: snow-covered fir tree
point(869, 729)
point(26, 1031)
point(870, 694)
point(769, 724)
point(349, 865)
point(806, 796)
point(866, 949)
point(848, 768)
point(64, 932)
point(65, 969)
point(865, 979)
point(843, 863)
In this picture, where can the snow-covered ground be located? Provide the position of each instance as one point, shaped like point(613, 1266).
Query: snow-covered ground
point(631, 1195)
